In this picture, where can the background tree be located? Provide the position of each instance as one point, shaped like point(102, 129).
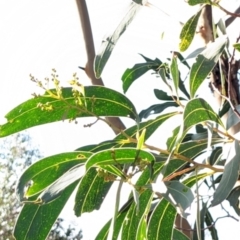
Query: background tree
point(167, 179)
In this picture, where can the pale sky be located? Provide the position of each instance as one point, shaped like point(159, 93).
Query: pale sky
point(37, 36)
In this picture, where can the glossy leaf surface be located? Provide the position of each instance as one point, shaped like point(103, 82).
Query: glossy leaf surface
point(109, 43)
point(99, 101)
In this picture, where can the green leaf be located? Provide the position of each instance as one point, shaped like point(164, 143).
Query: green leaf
point(197, 111)
point(118, 156)
point(195, 2)
point(45, 171)
point(233, 199)
point(232, 117)
point(237, 46)
point(156, 109)
point(177, 235)
point(188, 32)
point(100, 101)
point(103, 234)
point(161, 223)
point(109, 43)
point(230, 175)
point(35, 221)
point(91, 192)
point(161, 95)
point(134, 225)
point(176, 193)
point(205, 62)
point(55, 189)
point(132, 74)
point(175, 73)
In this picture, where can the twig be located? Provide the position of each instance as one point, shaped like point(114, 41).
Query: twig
point(226, 11)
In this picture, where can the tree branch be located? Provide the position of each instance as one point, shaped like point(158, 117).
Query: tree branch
point(89, 46)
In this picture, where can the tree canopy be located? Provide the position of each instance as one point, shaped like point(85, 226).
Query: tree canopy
point(201, 155)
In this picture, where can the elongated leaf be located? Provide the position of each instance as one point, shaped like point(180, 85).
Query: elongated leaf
point(205, 62)
point(233, 199)
point(134, 226)
point(109, 43)
point(35, 221)
point(195, 2)
point(161, 95)
point(161, 222)
point(132, 74)
point(175, 73)
point(198, 111)
point(119, 156)
point(100, 101)
point(178, 194)
point(188, 32)
point(156, 109)
point(230, 175)
point(232, 118)
point(45, 171)
point(178, 235)
point(55, 189)
point(91, 192)
point(103, 234)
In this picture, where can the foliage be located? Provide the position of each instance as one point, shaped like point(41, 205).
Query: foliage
point(16, 154)
point(165, 182)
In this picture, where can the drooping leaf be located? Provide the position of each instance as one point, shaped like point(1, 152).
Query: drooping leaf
point(232, 118)
point(91, 192)
point(99, 101)
point(134, 225)
point(233, 199)
point(197, 111)
point(109, 43)
point(119, 156)
point(212, 228)
point(195, 2)
point(35, 221)
point(55, 189)
point(161, 95)
point(230, 174)
point(205, 62)
point(161, 223)
point(188, 32)
point(175, 73)
point(132, 74)
point(178, 194)
point(103, 234)
point(156, 109)
point(216, 153)
point(47, 170)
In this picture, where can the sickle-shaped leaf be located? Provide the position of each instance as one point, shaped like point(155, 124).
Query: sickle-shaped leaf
point(55, 189)
point(205, 62)
point(109, 43)
point(91, 192)
point(175, 73)
point(161, 223)
point(47, 170)
point(176, 193)
point(118, 156)
point(198, 111)
point(156, 109)
point(131, 74)
point(99, 101)
point(230, 174)
point(35, 221)
point(188, 32)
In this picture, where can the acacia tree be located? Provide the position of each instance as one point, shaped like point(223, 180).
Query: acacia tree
point(165, 182)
